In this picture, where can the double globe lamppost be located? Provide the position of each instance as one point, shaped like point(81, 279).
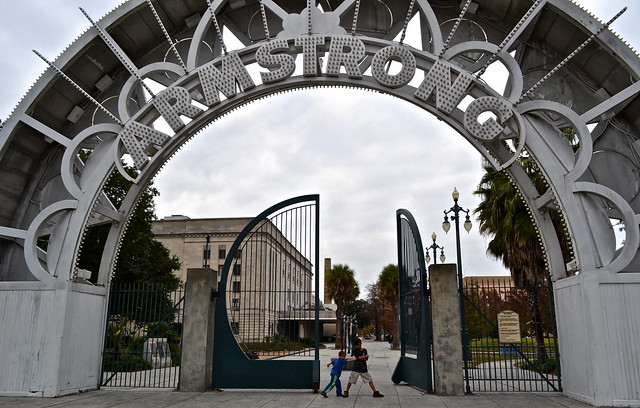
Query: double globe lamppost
point(434, 247)
point(446, 226)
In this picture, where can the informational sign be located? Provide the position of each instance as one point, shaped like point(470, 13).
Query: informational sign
point(509, 327)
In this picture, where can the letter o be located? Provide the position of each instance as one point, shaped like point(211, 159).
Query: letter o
point(397, 53)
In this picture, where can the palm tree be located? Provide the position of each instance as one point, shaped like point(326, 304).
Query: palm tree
point(388, 286)
point(342, 287)
point(375, 307)
point(504, 217)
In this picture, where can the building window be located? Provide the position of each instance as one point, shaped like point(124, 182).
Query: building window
point(236, 269)
point(222, 252)
point(235, 304)
point(236, 287)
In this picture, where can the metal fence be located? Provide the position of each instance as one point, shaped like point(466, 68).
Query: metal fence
point(143, 336)
point(530, 364)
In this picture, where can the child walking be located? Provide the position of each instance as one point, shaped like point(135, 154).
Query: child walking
point(338, 365)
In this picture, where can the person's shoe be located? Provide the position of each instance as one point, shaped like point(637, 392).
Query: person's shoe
point(345, 394)
point(324, 394)
point(377, 395)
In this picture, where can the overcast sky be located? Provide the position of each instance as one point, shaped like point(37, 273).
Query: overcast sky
point(366, 154)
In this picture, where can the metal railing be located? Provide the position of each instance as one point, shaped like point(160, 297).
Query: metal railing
point(532, 364)
point(143, 336)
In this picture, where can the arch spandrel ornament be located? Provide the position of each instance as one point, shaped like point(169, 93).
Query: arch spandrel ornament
point(226, 81)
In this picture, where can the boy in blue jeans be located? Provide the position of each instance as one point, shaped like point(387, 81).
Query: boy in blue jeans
point(338, 365)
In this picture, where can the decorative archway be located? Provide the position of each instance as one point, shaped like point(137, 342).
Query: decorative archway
point(566, 71)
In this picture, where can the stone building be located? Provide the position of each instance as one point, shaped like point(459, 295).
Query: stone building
point(186, 239)
point(270, 285)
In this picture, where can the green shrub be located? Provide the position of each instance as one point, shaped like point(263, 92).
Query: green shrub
point(175, 354)
point(163, 329)
point(549, 366)
point(125, 361)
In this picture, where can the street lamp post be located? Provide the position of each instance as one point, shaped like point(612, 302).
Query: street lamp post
point(348, 325)
point(344, 343)
point(455, 211)
point(435, 247)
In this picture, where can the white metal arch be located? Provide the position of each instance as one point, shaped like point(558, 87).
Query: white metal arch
point(523, 38)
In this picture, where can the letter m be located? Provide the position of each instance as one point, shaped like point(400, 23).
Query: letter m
point(232, 73)
point(438, 79)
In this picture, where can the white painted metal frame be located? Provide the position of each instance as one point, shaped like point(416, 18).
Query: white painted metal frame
point(520, 119)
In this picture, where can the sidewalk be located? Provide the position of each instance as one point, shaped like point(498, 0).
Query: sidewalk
point(381, 365)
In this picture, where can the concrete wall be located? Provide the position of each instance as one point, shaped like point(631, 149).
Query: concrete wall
point(83, 339)
point(51, 338)
point(599, 332)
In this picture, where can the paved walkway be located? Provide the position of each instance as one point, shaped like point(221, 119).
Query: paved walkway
point(381, 365)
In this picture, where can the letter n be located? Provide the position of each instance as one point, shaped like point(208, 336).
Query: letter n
point(448, 95)
point(232, 73)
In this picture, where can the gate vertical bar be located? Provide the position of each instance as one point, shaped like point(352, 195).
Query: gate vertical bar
point(401, 265)
point(317, 289)
point(552, 310)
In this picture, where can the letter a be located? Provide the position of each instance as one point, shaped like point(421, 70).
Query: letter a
point(138, 138)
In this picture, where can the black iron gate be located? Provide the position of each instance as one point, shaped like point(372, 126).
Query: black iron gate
point(143, 336)
point(267, 328)
point(530, 364)
point(414, 366)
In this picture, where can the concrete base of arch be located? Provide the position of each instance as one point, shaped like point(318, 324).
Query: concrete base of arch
point(51, 338)
point(598, 323)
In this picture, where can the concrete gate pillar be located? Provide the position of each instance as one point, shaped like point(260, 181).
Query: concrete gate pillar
point(447, 341)
point(197, 333)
